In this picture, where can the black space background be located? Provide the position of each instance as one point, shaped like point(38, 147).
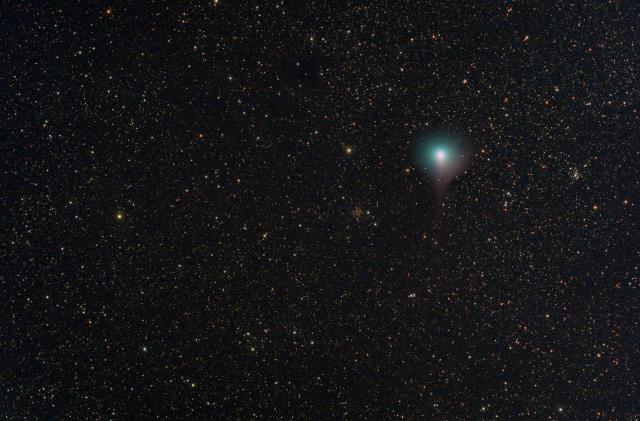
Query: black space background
point(210, 211)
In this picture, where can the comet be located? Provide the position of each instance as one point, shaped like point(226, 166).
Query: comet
point(443, 156)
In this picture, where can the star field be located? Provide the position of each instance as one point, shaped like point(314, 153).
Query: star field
point(211, 210)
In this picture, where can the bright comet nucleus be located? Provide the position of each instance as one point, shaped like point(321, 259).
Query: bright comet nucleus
point(442, 154)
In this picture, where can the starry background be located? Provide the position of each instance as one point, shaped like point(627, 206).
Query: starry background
point(210, 210)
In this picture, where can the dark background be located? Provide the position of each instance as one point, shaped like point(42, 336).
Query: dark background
point(210, 211)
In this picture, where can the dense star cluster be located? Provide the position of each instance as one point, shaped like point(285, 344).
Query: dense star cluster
point(211, 210)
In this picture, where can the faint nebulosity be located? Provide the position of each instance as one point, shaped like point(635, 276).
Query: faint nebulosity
point(214, 210)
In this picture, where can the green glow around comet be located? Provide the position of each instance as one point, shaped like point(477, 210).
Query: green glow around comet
point(435, 153)
point(441, 155)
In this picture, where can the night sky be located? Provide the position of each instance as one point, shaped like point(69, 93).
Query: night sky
point(213, 210)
